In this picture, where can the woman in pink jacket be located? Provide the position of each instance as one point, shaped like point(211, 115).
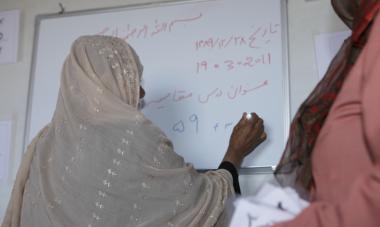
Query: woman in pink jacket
point(333, 150)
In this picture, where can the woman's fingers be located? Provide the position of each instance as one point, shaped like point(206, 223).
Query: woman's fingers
point(241, 121)
point(263, 136)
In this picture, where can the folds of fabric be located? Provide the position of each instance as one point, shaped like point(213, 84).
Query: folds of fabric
point(102, 163)
point(347, 153)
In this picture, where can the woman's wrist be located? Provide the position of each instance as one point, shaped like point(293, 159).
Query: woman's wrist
point(226, 165)
point(232, 158)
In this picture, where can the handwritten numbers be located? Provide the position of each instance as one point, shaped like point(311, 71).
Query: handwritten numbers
point(258, 38)
point(235, 64)
point(194, 118)
point(227, 126)
point(229, 64)
point(179, 127)
point(193, 122)
point(202, 66)
point(248, 62)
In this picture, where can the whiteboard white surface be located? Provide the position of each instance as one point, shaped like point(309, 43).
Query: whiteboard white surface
point(205, 63)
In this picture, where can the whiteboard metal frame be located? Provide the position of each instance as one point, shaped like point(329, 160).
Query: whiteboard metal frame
point(285, 44)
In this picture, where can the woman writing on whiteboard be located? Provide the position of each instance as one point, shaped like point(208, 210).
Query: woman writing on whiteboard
point(333, 151)
point(100, 162)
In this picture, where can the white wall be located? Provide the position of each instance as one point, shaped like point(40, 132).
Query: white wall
point(306, 19)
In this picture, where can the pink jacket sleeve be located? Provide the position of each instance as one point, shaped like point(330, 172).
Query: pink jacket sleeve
point(362, 207)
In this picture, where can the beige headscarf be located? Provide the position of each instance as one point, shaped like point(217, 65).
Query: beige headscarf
point(100, 162)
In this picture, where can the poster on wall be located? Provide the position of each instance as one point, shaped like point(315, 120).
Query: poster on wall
point(9, 32)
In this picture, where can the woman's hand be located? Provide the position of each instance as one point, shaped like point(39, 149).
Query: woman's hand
point(247, 134)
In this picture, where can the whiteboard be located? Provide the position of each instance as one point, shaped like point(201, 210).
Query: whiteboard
point(205, 63)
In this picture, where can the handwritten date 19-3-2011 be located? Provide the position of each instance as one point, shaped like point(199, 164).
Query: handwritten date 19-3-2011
point(231, 64)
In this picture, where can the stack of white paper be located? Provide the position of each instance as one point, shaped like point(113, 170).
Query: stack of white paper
point(270, 205)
